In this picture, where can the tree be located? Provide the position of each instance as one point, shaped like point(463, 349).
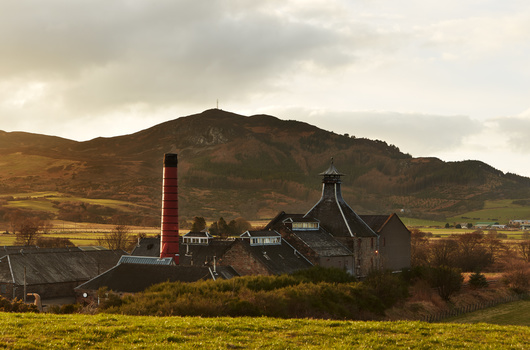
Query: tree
point(199, 224)
point(27, 230)
point(53, 242)
point(240, 225)
point(446, 280)
point(118, 238)
point(477, 280)
point(442, 252)
point(524, 249)
point(419, 248)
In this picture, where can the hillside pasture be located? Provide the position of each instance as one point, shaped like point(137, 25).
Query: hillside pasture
point(516, 313)
point(46, 331)
point(501, 211)
point(45, 201)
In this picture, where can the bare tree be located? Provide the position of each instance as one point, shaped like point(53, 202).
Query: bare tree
point(27, 230)
point(118, 238)
point(524, 249)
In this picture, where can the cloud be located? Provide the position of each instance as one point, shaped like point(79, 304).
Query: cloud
point(514, 131)
point(417, 133)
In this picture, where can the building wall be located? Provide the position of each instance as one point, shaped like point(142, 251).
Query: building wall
point(242, 261)
point(340, 262)
point(395, 245)
point(365, 253)
point(46, 291)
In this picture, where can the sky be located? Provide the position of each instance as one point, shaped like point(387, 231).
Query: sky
point(447, 79)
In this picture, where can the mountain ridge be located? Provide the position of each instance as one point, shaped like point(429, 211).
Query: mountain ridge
point(233, 165)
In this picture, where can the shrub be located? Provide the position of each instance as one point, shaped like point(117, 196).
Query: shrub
point(518, 277)
point(324, 274)
point(388, 287)
point(16, 305)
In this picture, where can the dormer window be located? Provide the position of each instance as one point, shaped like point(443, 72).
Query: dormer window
point(197, 238)
point(305, 226)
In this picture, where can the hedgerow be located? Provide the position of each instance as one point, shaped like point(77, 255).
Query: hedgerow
point(287, 296)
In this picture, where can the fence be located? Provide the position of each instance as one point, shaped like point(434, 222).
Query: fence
point(470, 308)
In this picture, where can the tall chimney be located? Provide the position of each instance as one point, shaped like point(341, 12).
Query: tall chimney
point(169, 238)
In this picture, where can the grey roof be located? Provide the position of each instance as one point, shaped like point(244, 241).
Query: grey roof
point(57, 266)
point(322, 243)
point(133, 278)
point(255, 234)
point(188, 254)
point(149, 246)
point(280, 217)
point(145, 260)
point(278, 259)
point(332, 170)
point(201, 234)
point(376, 222)
point(198, 255)
point(4, 250)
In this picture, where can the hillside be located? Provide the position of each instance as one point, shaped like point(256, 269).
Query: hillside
point(232, 165)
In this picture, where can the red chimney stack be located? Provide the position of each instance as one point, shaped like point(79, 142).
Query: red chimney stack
point(169, 238)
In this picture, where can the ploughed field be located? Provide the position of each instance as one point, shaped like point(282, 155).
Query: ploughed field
point(48, 331)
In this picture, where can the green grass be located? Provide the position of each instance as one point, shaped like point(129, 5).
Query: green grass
point(43, 201)
point(45, 331)
point(499, 210)
point(516, 313)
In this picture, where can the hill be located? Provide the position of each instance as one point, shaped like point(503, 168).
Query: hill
point(232, 165)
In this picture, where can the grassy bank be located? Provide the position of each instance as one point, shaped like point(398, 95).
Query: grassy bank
point(516, 313)
point(45, 331)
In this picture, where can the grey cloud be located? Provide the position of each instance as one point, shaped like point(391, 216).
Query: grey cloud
point(104, 55)
point(514, 130)
point(415, 133)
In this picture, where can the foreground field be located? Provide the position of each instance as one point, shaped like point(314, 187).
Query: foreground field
point(44, 331)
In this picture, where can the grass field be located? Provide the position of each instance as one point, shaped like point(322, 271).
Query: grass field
point(43, 201)
point(501, 211)
point(516, 313)
point(46, 331)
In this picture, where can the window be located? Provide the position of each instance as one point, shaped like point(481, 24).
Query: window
point(3, 288)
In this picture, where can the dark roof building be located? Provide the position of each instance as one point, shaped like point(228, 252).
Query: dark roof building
point(333, 213)
point(52, 274)
point(134, 278)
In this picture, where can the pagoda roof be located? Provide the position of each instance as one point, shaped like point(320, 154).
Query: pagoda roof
point(332, 170)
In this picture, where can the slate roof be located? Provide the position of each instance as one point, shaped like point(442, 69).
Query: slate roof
point(323, 243)
point(133, 278)
point(191, 254)
point(149, 246)
point(256, 234)
point(278, 259)
point(145, 260)
point(198, 255)
point(57, 266)
point(201, 234)
point(280, 217)
point(332, 171)
point(376, 222)
point(5, 250)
